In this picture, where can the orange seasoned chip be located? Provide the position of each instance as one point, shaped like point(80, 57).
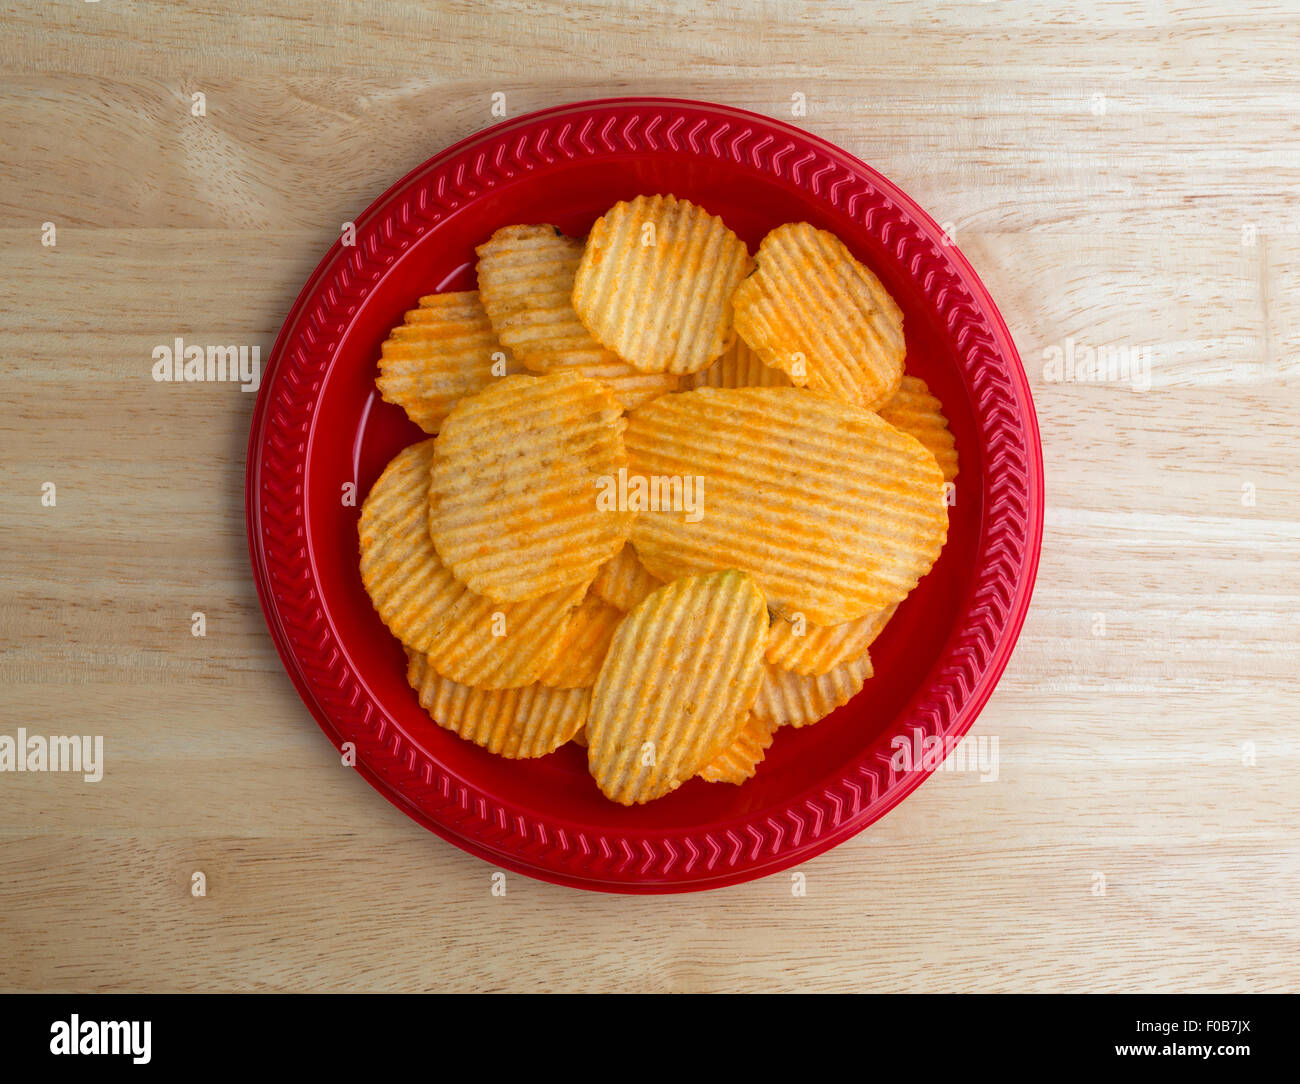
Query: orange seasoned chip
point(623, 581)
point(630, 387)
point(805, 648)
point(515, 509)
point(468, 637)
point(525, 276)
point(515, 723)
point(497, 645)
point(739, 367)
point(407, 584)
point(586, 642)
point(786, 699)
point(444, 351)
point(740, 760)
point(580, 738)
point(681, 674)
point(814, 311)
point(833, 511)
point(655, 283)
point(916, 411)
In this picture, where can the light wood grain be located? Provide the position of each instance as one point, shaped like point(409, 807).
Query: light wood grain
point(1121, 754)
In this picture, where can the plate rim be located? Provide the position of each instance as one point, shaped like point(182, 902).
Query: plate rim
point(685, 859)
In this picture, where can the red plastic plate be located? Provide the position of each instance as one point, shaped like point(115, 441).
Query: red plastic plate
point(320, 427)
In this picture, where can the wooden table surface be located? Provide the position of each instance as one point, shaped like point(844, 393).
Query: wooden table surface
point(1121, 176)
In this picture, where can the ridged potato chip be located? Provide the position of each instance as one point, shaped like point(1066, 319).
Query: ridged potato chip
point(630, 387)
point(655, 283)
point(916, 411)
point(833, 511)
point(515, 723)
point(815, 312)
point(740, 760)
point(739, 367)
point(514, 509)
point(819, 648)
point(681, 674)
point(623, 581)
point(497, 645)
point(468, 637)
point(586, 642)
point(444, 351)
point(407, 583)
point(525, 277)
point(786, 699)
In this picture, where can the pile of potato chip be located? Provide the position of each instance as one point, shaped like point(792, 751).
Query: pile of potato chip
point(674, 493)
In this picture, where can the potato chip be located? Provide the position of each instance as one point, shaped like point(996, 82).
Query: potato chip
point(497, 645)
point(517, 471)
point(515, 723)
point(580, 738)
point(630, 387)
point(586, 642)
point(445, 351)
point(470, 638)
point(739, 367)
point(786, 699)
point(655, 283)
point(623, 581)
point(805, 648)
point(833, 511)
point(812, 310)
point(916, 411)
point(679, 679)
point(525, 276)
point(407, 584)
point(741, 759)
